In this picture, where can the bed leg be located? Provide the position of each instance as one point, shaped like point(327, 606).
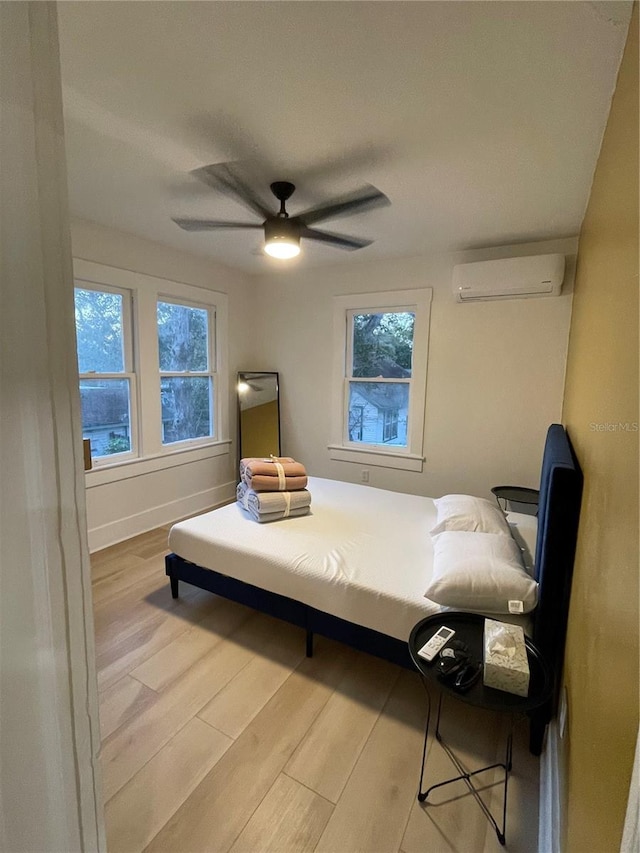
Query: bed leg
point(309, 643)
point(174, 586)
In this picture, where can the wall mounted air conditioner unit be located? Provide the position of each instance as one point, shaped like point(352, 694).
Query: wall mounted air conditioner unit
point(509, 278)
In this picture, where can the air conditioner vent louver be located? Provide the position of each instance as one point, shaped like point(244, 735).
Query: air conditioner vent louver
point(509, 278)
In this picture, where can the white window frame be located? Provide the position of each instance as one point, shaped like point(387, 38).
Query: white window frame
point(210, 374)
point(129, 372)
point(411, 457)
point(146, 291)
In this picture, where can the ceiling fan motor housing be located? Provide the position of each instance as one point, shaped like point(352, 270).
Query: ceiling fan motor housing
point(281, 229)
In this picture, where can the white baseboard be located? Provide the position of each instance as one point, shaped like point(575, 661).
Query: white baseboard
point(124, 528)
point(552, 791)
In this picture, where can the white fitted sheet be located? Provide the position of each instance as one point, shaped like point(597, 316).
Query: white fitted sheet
point(362, 554)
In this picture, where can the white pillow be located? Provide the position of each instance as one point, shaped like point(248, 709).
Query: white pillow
point(464, 512)
point(481, 572)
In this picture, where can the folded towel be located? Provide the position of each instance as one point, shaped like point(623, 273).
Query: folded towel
point(266, 517)
point(275, 474)
point(270, 502)
point(267, 466)
point(273, 506)
point(260, 483)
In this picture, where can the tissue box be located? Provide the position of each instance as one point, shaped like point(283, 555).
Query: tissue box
point(505, 658)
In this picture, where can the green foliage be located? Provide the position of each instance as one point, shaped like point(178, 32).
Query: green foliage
point(183, 344)
point(182, 337)
point(117, 444)
point(98, 317)
point(383, 344)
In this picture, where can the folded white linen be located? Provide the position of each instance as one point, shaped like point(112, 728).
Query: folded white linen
point(273, 506)
point(269, 502)
point(264, 517)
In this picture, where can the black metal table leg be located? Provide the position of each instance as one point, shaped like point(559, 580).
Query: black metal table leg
point(464, 775)
point(423, 796)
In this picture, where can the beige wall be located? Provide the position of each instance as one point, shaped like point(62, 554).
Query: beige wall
point(601, 668)
point(495, 376)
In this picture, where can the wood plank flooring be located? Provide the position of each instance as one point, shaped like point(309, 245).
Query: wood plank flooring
point(220, 735)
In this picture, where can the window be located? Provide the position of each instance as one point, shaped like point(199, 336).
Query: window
point(186, 379)
point(390, 425)
point(150, 354)
point(107, 381)
point(379, 352)
point(381, 344)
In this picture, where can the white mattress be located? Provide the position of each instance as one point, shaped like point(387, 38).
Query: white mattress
point(363, 554)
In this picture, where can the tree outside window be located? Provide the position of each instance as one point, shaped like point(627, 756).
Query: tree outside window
point(381, 362)
point(102, 333)
point(186, 381)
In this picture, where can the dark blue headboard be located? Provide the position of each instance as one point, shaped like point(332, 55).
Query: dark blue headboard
point(558, 514)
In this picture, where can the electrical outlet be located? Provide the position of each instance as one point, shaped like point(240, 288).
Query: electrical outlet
point(365, 475)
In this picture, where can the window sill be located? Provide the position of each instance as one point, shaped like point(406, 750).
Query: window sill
point(381, 458)
point(125, 470)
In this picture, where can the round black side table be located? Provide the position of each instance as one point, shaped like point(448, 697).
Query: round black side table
point(515, 494)
point(469, 628)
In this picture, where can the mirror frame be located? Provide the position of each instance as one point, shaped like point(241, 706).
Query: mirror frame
point(242, 376)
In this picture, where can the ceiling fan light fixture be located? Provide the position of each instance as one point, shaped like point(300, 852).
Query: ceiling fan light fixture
point(281, 233)
point(283, 248)
point(282, 238)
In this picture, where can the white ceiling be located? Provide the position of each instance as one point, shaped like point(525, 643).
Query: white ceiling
point(481, 121)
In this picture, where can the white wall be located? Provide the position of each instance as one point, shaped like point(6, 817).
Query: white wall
point(50, 797)
point(495, 375)
point(124, 508)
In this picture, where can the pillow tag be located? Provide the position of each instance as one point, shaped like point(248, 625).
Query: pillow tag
point(516, 606)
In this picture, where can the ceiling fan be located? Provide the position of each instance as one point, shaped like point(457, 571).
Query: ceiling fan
point(282, 232)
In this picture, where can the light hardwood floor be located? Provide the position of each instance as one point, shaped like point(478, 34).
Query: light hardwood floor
point(219, 734)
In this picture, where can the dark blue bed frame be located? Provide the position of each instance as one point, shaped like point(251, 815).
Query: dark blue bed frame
point(558, 514)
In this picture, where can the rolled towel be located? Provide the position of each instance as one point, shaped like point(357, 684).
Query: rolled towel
point(269, 502)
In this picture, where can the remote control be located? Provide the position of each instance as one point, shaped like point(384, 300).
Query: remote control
point(433, 646)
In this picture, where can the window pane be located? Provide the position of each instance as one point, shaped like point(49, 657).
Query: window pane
point(99, 331)
point(105, 415)
point(383, 344)
point(378, 412)
point(183, 337)
point(186, 408)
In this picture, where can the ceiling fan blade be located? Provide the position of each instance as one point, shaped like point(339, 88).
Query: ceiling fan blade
point(222, 177)
point(211, 224)
point(363, 199)
point(337, 240)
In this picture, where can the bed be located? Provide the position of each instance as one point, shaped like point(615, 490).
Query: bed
point(355, 568)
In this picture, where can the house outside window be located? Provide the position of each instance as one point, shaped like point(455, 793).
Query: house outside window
point(151, 359)
point(381, 345)
point(105, 367)
point(356, 421)
point(390, 425)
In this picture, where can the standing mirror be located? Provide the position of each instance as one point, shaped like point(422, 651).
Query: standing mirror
point(258, 414)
